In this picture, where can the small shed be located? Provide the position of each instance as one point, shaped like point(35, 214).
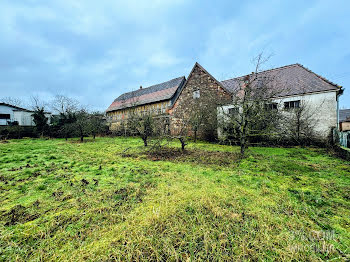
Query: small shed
point(344, 120)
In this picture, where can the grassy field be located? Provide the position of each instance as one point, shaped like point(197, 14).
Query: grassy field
point(97, 201)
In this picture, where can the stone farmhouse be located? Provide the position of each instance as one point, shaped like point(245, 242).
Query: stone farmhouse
point(176, 98)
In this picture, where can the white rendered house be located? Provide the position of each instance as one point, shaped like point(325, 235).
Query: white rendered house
point(10, 114)
point(298, 87)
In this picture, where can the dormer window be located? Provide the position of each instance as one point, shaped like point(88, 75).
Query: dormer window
point(196, 94)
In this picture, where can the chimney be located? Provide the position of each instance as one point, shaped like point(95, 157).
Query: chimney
point(140, 87)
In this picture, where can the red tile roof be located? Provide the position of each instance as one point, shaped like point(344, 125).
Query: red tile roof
point(292, 79)
point(288, 80)
point(152, 94)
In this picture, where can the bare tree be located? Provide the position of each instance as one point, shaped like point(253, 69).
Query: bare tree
point(39, 116)
point(298, 123)
point(82, 123)
point(138, 123)
point(97, 124)
point(196, 123)
point(63, 104)
point(66, 124)
point(141, 124)
point(12, 101)
point(253, 112)
point(202, 119)
point(182, 135)
point(37, 103)
point(181, 131)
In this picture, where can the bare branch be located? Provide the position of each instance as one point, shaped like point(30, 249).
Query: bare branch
point(37, 103)
point(12, 101)
point(63, 104)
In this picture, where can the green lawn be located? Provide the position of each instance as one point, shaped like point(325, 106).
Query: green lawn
point(97, 201)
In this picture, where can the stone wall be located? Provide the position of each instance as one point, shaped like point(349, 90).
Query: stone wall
point(202, 92)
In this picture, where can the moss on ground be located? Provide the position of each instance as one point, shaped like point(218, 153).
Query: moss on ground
point(112, 199)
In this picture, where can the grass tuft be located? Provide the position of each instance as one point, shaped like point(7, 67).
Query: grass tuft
point(113, 199)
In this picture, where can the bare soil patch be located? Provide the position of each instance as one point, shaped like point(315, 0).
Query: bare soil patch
point(18, 214)
point(193, 156)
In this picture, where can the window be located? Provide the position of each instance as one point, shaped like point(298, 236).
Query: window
point(5, 116)
point(233, 111)
point(196, 94)
point(292, 104)
point(271, 106)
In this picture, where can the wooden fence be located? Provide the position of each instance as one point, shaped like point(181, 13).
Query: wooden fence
point(344, 139)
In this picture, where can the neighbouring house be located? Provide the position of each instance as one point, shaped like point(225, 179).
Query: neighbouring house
point(14, 115)
point(344, 120)
point(176, 99)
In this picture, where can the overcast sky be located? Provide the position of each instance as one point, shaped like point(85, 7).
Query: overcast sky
point(96, 50)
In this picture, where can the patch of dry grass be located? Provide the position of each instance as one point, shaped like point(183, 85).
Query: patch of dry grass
point(97, 201)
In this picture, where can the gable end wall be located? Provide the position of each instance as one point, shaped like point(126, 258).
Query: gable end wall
point(199, 79)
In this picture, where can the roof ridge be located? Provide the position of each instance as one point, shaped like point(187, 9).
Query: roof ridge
point(196, 64)
point(290, 65)
point(17, 107)
point(145, 88)
point(267, 70)
point(164, 82)
point(319, 76)
point(218, 82)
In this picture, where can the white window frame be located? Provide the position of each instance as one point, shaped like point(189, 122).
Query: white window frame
point(196, 94)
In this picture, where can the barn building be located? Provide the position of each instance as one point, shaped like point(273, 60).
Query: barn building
point(176, 98)
point(157, 99)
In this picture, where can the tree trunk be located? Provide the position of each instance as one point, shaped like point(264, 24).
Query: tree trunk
point(242, 150)
point(183, 144)
point(243, 145)
point(94, 136)
point(298, 130)
point(195, 136)
point(144, 141)
point(81, 131)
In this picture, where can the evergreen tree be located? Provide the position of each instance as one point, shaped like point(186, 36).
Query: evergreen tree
point(40, 121)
